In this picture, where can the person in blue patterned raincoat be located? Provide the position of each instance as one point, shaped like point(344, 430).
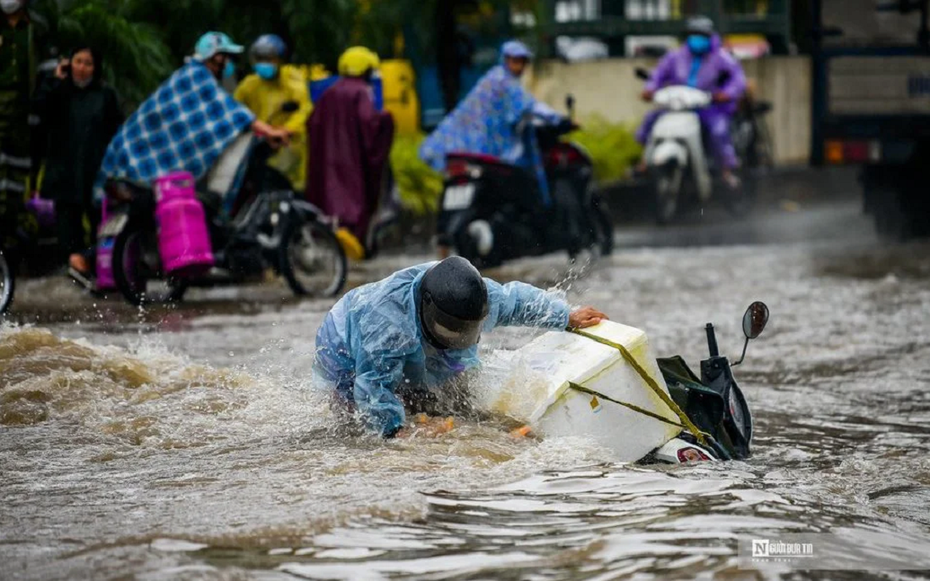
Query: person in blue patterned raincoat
point(186, 123)
point(494, 119)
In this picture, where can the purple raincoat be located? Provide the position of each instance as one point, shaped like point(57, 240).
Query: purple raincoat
point(675, 68)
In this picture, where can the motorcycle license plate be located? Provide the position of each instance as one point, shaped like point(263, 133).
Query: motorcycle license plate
point(458, 197)
point(114, 226)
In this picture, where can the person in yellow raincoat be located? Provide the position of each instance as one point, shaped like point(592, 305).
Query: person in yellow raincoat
point(266, 91)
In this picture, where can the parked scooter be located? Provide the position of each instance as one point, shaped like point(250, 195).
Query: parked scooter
point(714, 403)
point(266, 226)
point(491, 211)
point(677, 160)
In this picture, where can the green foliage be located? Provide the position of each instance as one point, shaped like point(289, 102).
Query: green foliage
point(611, 145)
point(136, 58)
point(420, 186)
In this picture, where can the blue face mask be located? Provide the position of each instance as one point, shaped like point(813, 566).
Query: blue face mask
point(698, 44)
point(266, 71)
point(229, 70)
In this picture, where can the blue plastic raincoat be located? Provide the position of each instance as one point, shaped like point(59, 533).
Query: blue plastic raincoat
point(494, 119)
point(371, 344)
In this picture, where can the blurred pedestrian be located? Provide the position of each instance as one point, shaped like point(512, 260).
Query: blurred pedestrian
point(349, 145)
point(266, 91)
point(80, 114)
point(18, 33)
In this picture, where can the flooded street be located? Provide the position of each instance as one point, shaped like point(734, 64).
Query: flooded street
point(192, 442)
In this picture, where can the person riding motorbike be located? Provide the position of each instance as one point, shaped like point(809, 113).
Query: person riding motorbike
point(495, 119)
point(272, 84)
point(186, 123)
point(703, 63)
point(399, 340)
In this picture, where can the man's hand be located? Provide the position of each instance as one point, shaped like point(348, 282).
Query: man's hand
point(721, 97)
point(585, 317)
point(424, 425)
point(647, 95)
point(279, 138)
point(61, 71)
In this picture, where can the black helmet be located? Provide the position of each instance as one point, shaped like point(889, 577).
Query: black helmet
point(700, 25)
point(453, 304)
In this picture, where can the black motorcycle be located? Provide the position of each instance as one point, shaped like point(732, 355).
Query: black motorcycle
point(269, 226)
point(713, 403)
point(492, 211)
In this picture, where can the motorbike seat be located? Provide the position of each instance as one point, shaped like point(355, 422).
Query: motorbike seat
point(476, 158)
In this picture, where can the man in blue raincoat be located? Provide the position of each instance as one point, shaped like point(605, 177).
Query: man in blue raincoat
point(494, 119)
point(401, 338)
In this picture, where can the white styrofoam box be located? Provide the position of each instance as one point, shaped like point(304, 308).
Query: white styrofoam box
point(536, 390)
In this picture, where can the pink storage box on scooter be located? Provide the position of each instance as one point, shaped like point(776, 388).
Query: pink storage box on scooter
point(183, 239)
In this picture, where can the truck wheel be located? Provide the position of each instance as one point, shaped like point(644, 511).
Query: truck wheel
point(891, 221)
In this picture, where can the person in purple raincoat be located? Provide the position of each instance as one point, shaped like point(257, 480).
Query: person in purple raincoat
point(703, 63)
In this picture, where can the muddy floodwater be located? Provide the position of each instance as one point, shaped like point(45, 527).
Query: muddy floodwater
point(192, 442)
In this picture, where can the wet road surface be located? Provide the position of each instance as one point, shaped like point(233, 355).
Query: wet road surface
point(192, 442)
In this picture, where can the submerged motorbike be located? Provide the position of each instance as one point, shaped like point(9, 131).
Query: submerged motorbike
point(677, 160)
point(491, 211)
point(714, 402)
point(266, 226)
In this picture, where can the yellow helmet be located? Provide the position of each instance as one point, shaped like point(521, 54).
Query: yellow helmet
point(357, 60)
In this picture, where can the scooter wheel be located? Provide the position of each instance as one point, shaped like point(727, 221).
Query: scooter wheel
point(603, 226)
point(311, 259)
point(7, 283)
point(739, 201)
point(667, 183)
point(139, 282)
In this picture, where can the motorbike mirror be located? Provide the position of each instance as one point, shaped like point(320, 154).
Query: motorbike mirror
point(570, 104)
point(641, 73)
point(290, 106)
point(755, 319)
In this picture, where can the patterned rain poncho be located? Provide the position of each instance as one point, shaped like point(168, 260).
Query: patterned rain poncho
point(184, 125)
point(494, 119)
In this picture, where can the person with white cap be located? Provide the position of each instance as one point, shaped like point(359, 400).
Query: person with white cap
point(186, 123)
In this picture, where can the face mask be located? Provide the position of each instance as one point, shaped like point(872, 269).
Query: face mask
point(10, 6)
point(698, 44)
point(229, 70)
point(266, 71)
